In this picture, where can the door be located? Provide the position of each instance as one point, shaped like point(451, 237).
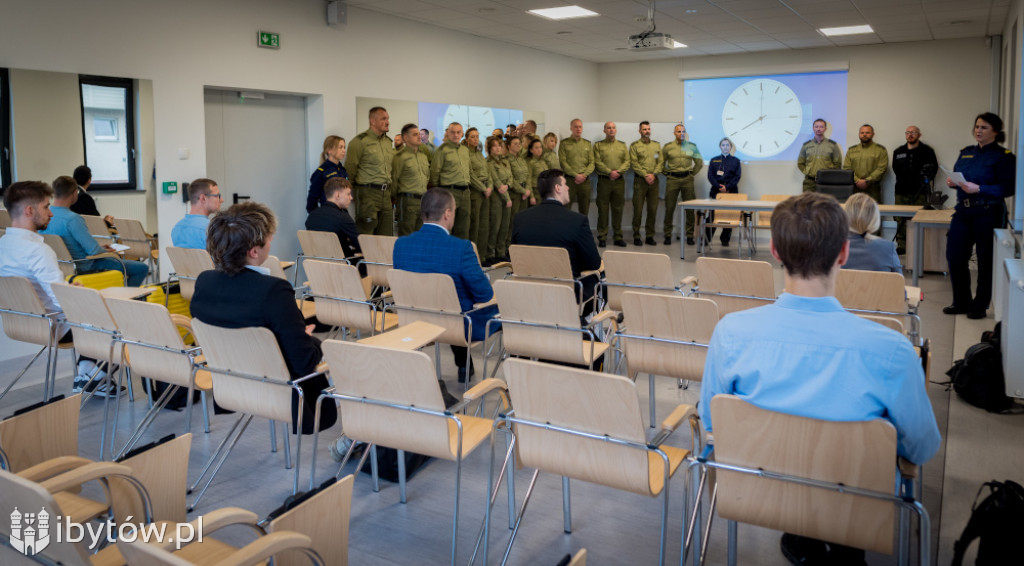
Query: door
point(256, 148)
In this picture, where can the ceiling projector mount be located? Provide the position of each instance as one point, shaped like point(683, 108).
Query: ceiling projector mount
point(649, 40)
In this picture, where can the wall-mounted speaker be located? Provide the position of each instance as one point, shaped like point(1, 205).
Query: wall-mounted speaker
point(337, 13)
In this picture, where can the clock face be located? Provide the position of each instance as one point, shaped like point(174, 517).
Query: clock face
point(479, 117)
point(762, 117)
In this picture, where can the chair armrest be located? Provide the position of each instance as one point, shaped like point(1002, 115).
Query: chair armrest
point(603, 316)
point(182, 321)
point(678, 415)
point(597, 272)
point(321, 367)
point(100, 256)
point(907, 468)
point(481, 389)
point(216, 520)
point(499, 265)
point(479, 306)
point(53, 467)
point(263, 548)
point(83, 474)
point(914, 296)
point(690, 280)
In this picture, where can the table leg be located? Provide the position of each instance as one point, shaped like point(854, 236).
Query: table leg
point(682, 230)
point(918, 251)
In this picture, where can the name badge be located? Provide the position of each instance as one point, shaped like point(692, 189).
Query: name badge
point(720, 172)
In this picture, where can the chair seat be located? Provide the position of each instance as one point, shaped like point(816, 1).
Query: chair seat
point(599, 349)
point(386, 322)
point(80, 509)
point(308, 308)
point(474, 431)
point(656, 466)
point(210, 551)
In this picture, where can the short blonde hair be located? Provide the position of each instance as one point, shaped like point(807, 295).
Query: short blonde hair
point(863, 213)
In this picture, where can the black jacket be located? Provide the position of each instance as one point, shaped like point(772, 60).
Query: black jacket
point(554, 225)
point(329, 217)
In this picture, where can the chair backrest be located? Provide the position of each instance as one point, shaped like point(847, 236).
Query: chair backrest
point(324, 518)
point(5, 218)
point(857, 454)
point(585, 401)
point(378, 250)
point(252, 351)
point(98, 229)
point(634, 268)
point(18, 294)
point(188, 264)
point(681, 319)
point(130, 233)
point(429, 291)
point(320, 244)
point(888, 322)
point(400, 377)
point(163, 471)
point(542, 262)
point(735, 277)
point(24, 496)
point(150, 323)
point(275, 267)
point(64, 259)
point(764, 217)
point(731, 216)
point(82, 305)
point(871, 290)
point(540, 303)
point(44, 433)
point(335, 279)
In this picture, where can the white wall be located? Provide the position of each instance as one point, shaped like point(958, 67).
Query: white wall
point(46, 113)
point(937, 85)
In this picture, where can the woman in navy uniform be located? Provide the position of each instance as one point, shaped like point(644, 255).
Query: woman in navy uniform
point(330, 166)
point(989, 171)
point(724, 176)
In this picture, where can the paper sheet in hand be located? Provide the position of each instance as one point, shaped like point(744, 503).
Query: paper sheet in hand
point(119, 247)
point(956, 177)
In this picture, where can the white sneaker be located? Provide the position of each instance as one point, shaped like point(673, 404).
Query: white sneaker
point(340, 447)
point(79, 384)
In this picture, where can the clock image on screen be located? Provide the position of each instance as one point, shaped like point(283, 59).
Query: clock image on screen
point(479, 117)
point(762, 117)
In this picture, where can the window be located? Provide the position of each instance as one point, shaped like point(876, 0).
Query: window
point(5, 129)
point(108, 130)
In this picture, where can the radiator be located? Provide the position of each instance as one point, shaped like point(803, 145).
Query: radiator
point(132, 205)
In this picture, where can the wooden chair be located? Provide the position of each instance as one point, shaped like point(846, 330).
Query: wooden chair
point(343, 299)
point(391, 398)
point(277, 267)
point(5, 219)
point(378, 252)
point(69, 265)
point(251, 378)
point(635, 271)
point(764, 217)
point(781, 471)
point(540, 321)
point(141, 245)
point(324, 517)
point(26, 320)
point(588, 426)
point(551, 265)
point(153, 347)
point(98, 229)
point(734, 284)
point(667, 336)
point(730, 219)
point(881, 294)
point(257, 552)
point(322, 246)
point(188, 264)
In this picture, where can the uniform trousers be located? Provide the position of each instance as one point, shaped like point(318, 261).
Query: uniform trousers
point(374, 213)
point(677, 189)
point(644, 193)
point(972, 228)
point(610, 192)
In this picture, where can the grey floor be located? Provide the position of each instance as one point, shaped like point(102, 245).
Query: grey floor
point(616, 528)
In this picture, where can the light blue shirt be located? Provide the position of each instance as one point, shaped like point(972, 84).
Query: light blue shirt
point(72, 229)
point(190, 232)
point(808, 357)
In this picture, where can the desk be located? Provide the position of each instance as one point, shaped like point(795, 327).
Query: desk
point(126, 292)
point(926, 219)
point(902, 210)
point(412, 336)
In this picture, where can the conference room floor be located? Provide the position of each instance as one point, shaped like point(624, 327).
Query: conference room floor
point(615, 527)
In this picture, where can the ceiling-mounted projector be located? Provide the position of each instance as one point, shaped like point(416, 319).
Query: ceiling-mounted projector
point(650, 41)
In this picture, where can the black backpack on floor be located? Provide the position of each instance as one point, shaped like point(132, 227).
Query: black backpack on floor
point(978, 378)
point(997, 522)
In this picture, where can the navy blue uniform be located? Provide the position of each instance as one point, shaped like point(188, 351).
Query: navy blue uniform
point(993, 168)
point(327, 169)
point(723, 170)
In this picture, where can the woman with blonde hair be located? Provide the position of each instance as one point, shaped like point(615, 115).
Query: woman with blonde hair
point(330, 167)
point(867, 251)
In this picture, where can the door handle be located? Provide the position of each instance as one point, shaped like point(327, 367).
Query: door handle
point(235, 197)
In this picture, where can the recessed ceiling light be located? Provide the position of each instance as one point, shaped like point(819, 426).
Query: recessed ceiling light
point(677, 45)
point(563, 13)
point(563, 33)
point(960, 22)
point(846, 30)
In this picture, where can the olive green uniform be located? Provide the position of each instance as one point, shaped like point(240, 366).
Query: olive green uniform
point(550, 159)
point(610, 155)
point(368, 162)
point(450, 170)
point(499, 208)
point(410, 172)
point(526, 139)
point(429, 148)
point(869, 162)
point(577, 158)
point(815, 156)
point(643, 158)
point(480, 211)
point(680, 163)
point(519, 188)
point(537, 166)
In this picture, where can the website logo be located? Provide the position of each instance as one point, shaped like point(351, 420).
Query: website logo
point(30, 532)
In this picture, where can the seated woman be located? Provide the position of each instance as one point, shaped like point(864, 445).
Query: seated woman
point(867, 251)
point(240, 293)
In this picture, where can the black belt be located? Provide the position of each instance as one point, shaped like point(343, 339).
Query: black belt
point(456, 187)
point(382, 187)
point(412, 195)
point(682, 175)
point(971, 202)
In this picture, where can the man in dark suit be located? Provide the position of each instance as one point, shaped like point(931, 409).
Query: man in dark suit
point(553, 224)
point(433, 249)
point(333, 215)
point(241, 293)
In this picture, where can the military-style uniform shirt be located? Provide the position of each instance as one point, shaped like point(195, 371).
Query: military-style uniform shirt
point(576, 156)
point(429, 148)
point(520, 174)
point(907, 165)
point(992, 167)
point(537, 166)
point(527, 140)
point(500, 174)
point(369, 158)
point(815, 156)
point(679, 157)
point(450, 166)
point(610, 155)
point(479, 174)
point(868, 161)
point(643, 157)
point(410, 171)
point(550, 158)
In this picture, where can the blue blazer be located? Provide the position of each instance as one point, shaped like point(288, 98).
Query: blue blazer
point(431, 250)
point(876, 254)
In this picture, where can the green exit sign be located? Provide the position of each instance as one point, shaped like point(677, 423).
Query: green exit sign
point(268, 40)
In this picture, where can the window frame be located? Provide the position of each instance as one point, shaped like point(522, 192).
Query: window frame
point(6, 147)
point(129, 105)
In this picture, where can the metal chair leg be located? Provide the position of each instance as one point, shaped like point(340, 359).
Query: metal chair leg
point(206, 412)
point(732, 528)
point(273, 438)
point(287, 446)
point(223, 458)
point(32, 361)
point(566, 506)
point(401, 476)
point(373, 472)
point(651, 397)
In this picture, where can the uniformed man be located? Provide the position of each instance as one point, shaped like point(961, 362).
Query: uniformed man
point(427, 145)
point(527, 132)
point(914, 165)
point(369, 164)
point(643, 158)
point(869, 161)
point(680, 162)
point(611, 161)
point(410, 172)
point(576, 156)
point(818, 153)
point(450, 170)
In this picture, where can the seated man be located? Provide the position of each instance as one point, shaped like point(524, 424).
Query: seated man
point(432, 249)
point(204, 199)
point(85, 205)
point(552, 223)
point(71, 228)
point(332, 216)
point(240, 293)
point(807, 356)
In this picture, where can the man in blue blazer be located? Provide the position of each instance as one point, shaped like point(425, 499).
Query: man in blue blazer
point(433, 249)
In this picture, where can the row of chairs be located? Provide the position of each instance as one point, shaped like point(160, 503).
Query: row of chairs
point(745, 222)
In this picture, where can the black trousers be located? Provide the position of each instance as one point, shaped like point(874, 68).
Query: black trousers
point(971, 228)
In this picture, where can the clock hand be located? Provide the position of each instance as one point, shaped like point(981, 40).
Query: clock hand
point(759, 118)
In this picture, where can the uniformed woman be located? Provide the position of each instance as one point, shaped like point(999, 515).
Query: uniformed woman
point(537, 164)
point(500, 201)
point(520, 187)
point(330, 166)
point(480, 191)
point(724, 176)
point(989, 170)
point(550, 155)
